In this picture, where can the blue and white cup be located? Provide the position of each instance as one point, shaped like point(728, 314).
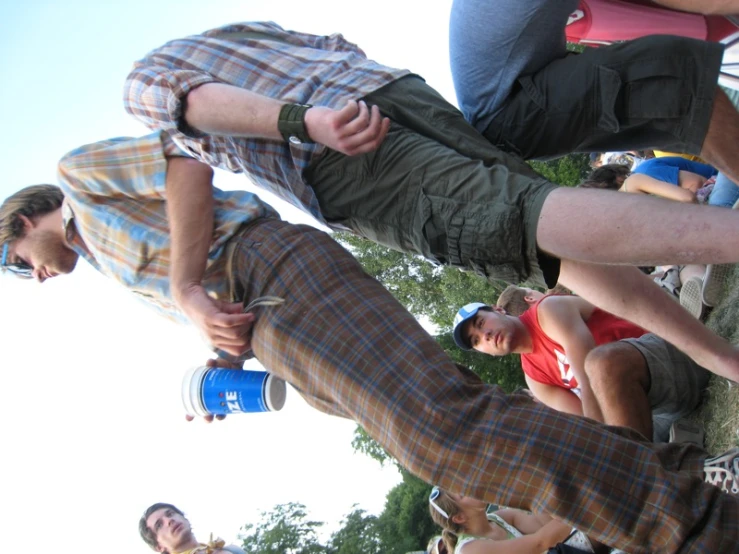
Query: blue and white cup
point(216, 391)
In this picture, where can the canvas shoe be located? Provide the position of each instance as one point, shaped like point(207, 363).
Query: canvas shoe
point(723, 471)
point(713, 283)
point(691, 298)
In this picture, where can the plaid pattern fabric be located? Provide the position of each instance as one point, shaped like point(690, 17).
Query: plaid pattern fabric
point(114, 195)
point(285, 65)
point(351, 349)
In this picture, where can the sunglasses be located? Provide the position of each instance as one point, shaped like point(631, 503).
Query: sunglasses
point(21, 269)
point(435, 492)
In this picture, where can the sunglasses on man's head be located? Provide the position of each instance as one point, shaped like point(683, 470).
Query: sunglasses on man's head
point(435, 492)
point(21, 269)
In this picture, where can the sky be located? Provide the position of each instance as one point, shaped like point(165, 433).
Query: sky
point(91, 423)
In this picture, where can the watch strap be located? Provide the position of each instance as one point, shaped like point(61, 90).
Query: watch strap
point(291, 123)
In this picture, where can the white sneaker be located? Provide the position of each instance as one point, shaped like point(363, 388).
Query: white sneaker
point(714, 279)
point(691, 297)
point(723, 471)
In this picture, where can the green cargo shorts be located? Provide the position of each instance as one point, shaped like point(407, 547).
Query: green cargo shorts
point(436, 187)
point(656, 91)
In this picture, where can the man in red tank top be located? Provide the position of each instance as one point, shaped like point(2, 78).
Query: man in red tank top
point(582, 360)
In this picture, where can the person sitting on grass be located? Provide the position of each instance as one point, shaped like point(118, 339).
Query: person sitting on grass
point(581, 360)
point(469, 528)
point(683, 180)
point(165, 529)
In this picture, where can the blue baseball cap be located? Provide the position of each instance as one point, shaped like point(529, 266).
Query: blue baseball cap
point(463, 315)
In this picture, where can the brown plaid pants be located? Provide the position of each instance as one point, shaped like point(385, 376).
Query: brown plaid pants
point(351, 349)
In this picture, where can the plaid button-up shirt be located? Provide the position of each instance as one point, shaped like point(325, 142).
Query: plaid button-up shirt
point(115, 216)
point(264, 59)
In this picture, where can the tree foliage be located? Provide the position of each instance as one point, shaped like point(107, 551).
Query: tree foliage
point(403, 526)
point(284, 530)
point(568, 171)
point(405, 523)
point(427, 291)
point(359, 533)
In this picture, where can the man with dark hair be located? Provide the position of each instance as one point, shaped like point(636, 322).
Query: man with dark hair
point(584, 361)
point(146, 215)
point(165, 529)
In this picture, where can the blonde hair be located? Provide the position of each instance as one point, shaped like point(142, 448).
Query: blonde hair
point(30, 202)
point(451, 530)
point(513, 300)
point(433, 546)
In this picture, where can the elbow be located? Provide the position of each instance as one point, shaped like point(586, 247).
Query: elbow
point(199, 169)
point(193, 104)
point(190, 169)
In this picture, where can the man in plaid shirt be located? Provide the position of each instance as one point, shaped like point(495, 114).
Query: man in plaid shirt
point(383, 155)
point(145, 214)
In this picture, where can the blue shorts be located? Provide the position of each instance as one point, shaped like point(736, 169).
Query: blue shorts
point(518, 85)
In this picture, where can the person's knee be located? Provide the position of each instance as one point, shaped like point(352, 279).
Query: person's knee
point(612, 367)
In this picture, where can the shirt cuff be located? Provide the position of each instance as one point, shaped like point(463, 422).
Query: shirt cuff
point(177, 102)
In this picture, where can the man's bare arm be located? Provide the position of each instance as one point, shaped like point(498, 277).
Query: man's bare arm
point(563, 320)
point(649, 185)
point(557, 398)
point(190, 212)
point(220, 109)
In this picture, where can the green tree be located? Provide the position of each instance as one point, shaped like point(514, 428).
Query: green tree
point(567, 171)
point(363, 443)
point(425, 290)
point(284, 530)
point(359, 534)
point(405, 524)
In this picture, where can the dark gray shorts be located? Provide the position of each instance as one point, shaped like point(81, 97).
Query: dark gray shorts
point(436, 187)
point(649, 92)
point(677, 382)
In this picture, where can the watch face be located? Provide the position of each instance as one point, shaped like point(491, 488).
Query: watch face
point(295, 140)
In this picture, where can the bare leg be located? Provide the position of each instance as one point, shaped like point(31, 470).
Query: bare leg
point(619, 378)
point(702, 6)
point(606, 227)
point(719, 146)
point(628, 293)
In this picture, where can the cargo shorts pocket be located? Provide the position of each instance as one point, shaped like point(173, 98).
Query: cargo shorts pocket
point(651, 90)
point(487, 239)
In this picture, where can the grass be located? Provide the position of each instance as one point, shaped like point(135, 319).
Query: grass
point(720, 409)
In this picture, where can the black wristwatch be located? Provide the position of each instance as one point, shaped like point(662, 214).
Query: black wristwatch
point(291, 123)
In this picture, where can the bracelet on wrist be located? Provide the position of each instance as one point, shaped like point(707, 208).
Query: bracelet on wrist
point(291, 123)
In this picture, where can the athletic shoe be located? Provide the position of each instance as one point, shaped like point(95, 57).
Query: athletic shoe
point(691, 298)
point(713, 283)
point(723, 471)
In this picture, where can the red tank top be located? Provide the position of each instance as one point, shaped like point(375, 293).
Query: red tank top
point(547, 362)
